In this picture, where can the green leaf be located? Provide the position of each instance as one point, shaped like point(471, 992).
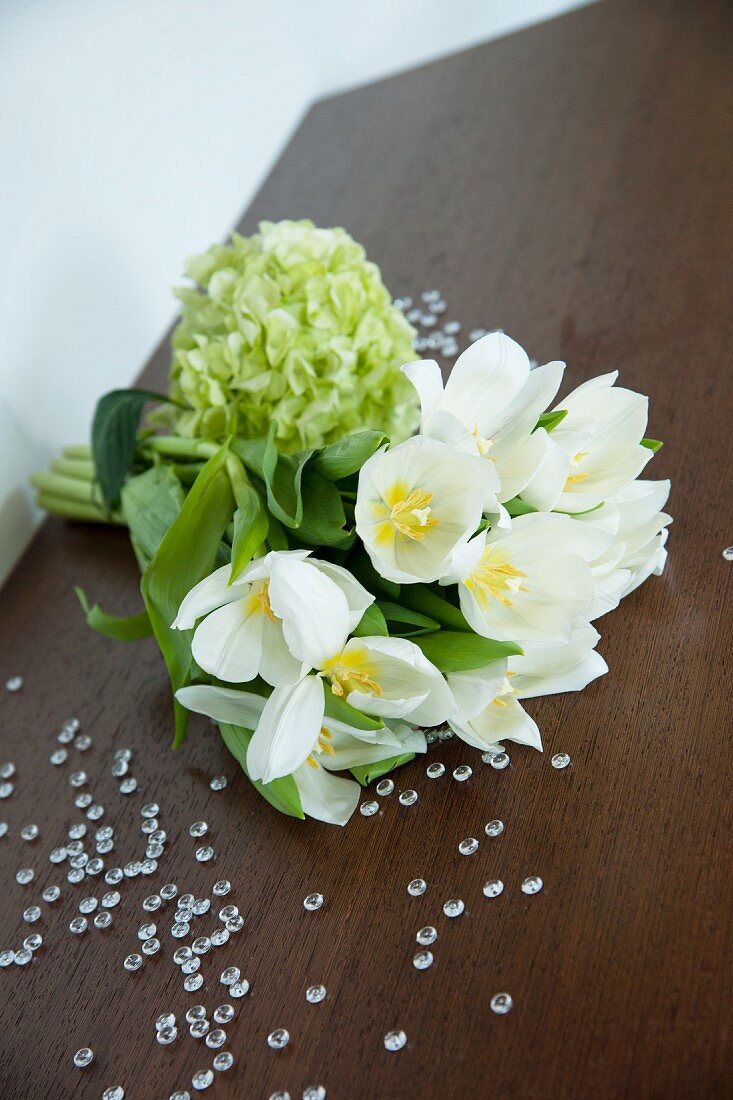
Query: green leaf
point(338, 708)
point(280, 793)
point(281, 474)
point(251, 522)
point(150, 503)
point(423, 599)
point(323, 518)
point(185, 556)
point(130, 629)
point(359, 564)
point(114, 431)
point(451, 652)
point(517, 507)
point(348, 455)
point(276, 537)
point(550, 420)
point(365, 773)
point(654, 445)
point(372, 623)
point(406, 617)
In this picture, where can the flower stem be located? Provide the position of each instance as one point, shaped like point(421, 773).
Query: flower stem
point(80, 450)
point(81, 468)
point(75, 509)
point(179, 447)
point(73, 488)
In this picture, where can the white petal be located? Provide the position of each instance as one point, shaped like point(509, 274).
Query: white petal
point(261, 568)
point(287, 731)
point(213, 591)
point(313, 609)
point(428, 381)
point(474, 689)
point(509, 722)
point(326, 797)
point(237, 708)
point(544, 489)
point(228, 642)
point(357, 597)
point(404, 673)
point(485, 379)
point(278, 666)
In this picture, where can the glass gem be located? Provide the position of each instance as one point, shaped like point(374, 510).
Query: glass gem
point(83, 1057)
point(195, 1012)
point(180, 929)
point(180, 1094)
point(102, 919)
point(500, 761)
point(166, 1035)
point(313, 901)
point(728, 553)
point(114, 1092)
point(218, 783)
point(169, 891)
point(110, 899)
point(32, 914)
point(560, 760)
point(151, 903)
point(222, 887)
point(83, 800)
point(113, 876)
point(182, 955)
point(51, 893)
point(201, 906)
point(133, 868)
point(312, 1092)
point(201, 945)
point(205, 853)
point(29, 832)
point(128, 785)
point(33, 942)
point(133, 962)
point(368, 809)
point(501, 1003)
point(227, 912)
point(385, 786)
point(149, 866)
point(417, 887)
point(23, 957)
point(76, 874)
point(395, 1040)
point(150, 809)
point(462, 773)
point(7, 958)
point(166, 1019)
point(224, 1014)
point(468, 846)
point(278, 1038)
point(202, 1079)
point(422, 960)
point(191, 965)
point(119, 768)
point(408, 798)
point(88, 905)
point(15, 683)
point(314, 994)
point(532, 884)
point(145, 931)
point(434, 771)
point(494, 828)
point(239, 989)
point(199, 1028)
point(427, 935)
point(151, 946)
point(493, 888)
point(83, 742)
point(199, 828)
point(235, 924)
point(3, 828)
point(192, 982)
point(453, 907)
point(216, 1038)
point(219, 937)
point(231, 975)
point(78, 779)
point(186, 900)
point(223, 1061)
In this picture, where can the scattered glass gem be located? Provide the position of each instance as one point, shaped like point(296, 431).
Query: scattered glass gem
point(312, 1092)
point(6, 789)
point(191, 965)
point(500, 761)
point(29, 832)
point(239, 989)
point(222, 887)
point(133, 962)
point(218, 783)
point(186, 901)
point(102, 919)
point(192, 982)
point(145, 931)
point(128, 785)
point(77, 831)
point(314, 994)
point(195, 1012)
point(32, 914)
point(95, 812)
point(33, 942)
point(219, 936)
point(227, 912)
point(119, 768)
point(154, 851)
point(151, 946)
point(180, 1094)
point(224, 1014)
point(94, 866)
point(7, 958)
point(110, 899)
point(150, 809)
point(83, 800)
point(423, 960)
point(88, 905)
point(105, 846)
point(278, 1038)
point(501, 1003)
point(216, 1038)
point(76, 874)
point(205, 853)
point(114, 1092)
point(51, 893)
point(83, 1057)
point(71, 726)
point(149, 866)
point(223, 1061)
point(23, 957)
point(15, 683)
point(395, 1040)
point(462, 773)
point(434, 771)
point(468, 846)
point(166, 1035)
point(728, 553)
point(560, 760)
point(151, 903)
point(169, 891)
point(417, 887)
point(78, 779)
point(235, 924)
point(201, 945)
point(199, 828)
point(199, 1028)
point(133, 868)
point(83, 742)
point(25, 875)
point(3, 828)
point(453, 907)
point(313, 901)
point(368, 809)
point(487, 757)
point(452, 327)
point(166, 1019)
point(385, 786)
point(114, 876)
point(408, 798)
point(182, 955)
point(494, 828)
point(79, 860)
point(231, 975)
point(149, 826)
point(202, 1079)
point(201, 906)
point(75, 848)
point(446, 734)
point(532, 884)
point(427, 935)
point(493, 888)
point(180, 929)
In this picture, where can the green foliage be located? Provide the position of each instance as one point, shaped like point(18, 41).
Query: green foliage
point(371, 624)
point(550, 420)
point(114, 433)
point(130, 629)
point(366, 773)
point(347, 456)
point(150, 503)
point(280, 793)
point(454, 652)
point(654, 445)
point(404, 622)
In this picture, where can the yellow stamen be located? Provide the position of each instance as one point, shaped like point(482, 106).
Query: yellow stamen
point(350, 671)
point(410, 512)
point(321, 745)
point(494, 579)
point(575, 479)
point(259, 600)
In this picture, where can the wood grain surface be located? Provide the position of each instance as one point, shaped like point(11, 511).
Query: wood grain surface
point(570, 184)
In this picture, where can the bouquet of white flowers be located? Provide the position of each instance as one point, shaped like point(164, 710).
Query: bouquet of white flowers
point(326, 594)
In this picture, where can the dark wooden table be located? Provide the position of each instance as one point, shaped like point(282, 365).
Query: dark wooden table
point(572, 185)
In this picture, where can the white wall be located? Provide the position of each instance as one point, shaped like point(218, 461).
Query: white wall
point(132, 134)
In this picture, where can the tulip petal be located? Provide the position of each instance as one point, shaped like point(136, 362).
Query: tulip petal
point(326, 797)
point(212, 592)
point(486, 377)
point(239, 708)
point(314, 611)
point(228, 642)
point(287, 731)
point(427, 379)
point(357, 597)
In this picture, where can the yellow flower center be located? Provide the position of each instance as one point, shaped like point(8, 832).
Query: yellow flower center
point(259, 600)
point(575, 479)
point(351, 671)
point(405, 512)
point(483, 444)
point(495, 579)
point(322, 745)
point(506, 689)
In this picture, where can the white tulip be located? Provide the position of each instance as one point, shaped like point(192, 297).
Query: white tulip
point(552, 669)
point(490, 406)
point(416, 503)
point(531, 583)
point(247, 627)
point(488, 710)
point(334, 745)
point(594, 451)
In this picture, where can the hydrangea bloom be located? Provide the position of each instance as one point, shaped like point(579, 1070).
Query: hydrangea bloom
point(294, 325)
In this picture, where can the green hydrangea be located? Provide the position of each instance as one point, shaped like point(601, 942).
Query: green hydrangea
point(292, 325)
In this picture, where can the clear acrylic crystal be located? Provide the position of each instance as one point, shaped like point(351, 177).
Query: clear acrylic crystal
point(204, 854)
point(468, 846)
point(114, 876)
point(223, 1061)
point(218, 783)
point(51, 893)
point(83, 1057)
point(417, 887)
point(110, 899)
point(32, 914)
point(151, 946)
point(202, 1079)
point(114, 1092)
point(6, 789)
point(201, 906)
point(119, 768)
point(182, 955)
point(427, 935)
point(500, 761)
point(151, 903)
point(128, 785)
point(180, 929)
point(103, 919)
point(239, 989)
point(133, 962)
point(198, 828)
point(166, 1019)
point(235, 924)
point(78, 779)
point(462, 773)
point(368, 809)
point(29, 832)
point(83, 800)
point(278, 1038)
point(434, 771)
point(224, 1014)
point(199, 1028)
point(83, 742)
point(313, 901)
point(23, 957)
point(166, 1035)
point(221, 888)
point(145, 931)
point(219, 937)
point(311, 1092)
point(408, 798)
point(88, 905)
point(150, 809)
point(501, 1003)
point(385, 787)
point(33, 942)
point(7, 957)
point(453, 907)
point(532, 884)
point(494, 828)
point(314, 994)
point(195, 1012)
point(493, 887)
point(15, 683)
point(201, 945)
point(25, 875)
point(191, 965)
point(728, 553)
point(395, 1040)
point(169, 891)
point(133, 868)
point(192, 982)
point(231, 975)
point(560, 760)
point(216, 1038)
point(422, 960)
